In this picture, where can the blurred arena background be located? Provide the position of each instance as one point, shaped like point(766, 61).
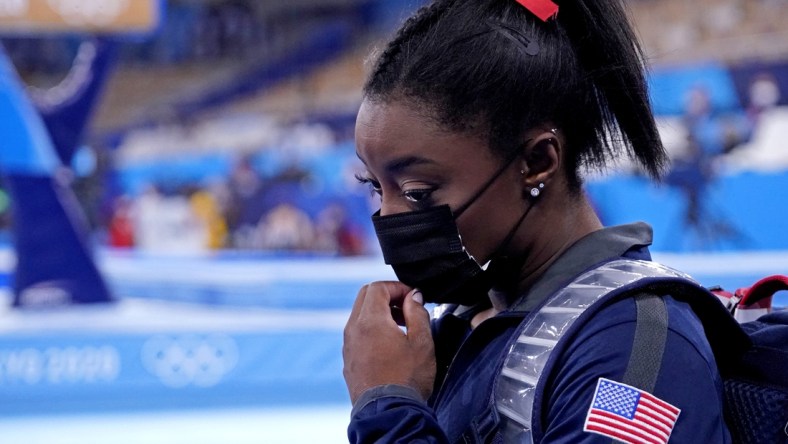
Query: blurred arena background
point(202, 154)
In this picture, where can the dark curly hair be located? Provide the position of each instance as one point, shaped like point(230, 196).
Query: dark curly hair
point(492, 68)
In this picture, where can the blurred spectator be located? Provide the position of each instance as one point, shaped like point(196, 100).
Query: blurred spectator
point(167, 223)
point(121, 224)
point(337, 233)
point(710, 134)
point(285, 227)
point(765, 151)
point(207, 210)
point(245, 188)
point(5, 202)
point(5, 211)
point(764, 94)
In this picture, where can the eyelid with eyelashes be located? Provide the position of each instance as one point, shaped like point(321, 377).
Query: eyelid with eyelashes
point(409, 194)
point(374, 185)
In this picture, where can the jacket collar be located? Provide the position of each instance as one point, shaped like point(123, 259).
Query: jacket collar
point(600, 246)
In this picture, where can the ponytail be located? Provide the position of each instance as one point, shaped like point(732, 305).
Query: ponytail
point(609, 51)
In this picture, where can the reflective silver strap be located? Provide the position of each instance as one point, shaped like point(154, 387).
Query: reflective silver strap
point(541, 331)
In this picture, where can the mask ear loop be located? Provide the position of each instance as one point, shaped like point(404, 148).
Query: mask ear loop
point(533, 196)
point(461, 209)
point(512, 232)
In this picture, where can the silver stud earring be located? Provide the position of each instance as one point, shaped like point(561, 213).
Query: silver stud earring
point(535, 192)
point(554, 131)
point(522, 172)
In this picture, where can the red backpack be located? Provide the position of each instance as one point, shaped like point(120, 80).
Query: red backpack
point(756, 387)
point(750, 303)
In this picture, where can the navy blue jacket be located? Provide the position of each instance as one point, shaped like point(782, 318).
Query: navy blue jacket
point(469, 363)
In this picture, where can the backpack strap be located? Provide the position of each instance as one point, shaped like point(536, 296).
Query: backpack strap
point(648, 347)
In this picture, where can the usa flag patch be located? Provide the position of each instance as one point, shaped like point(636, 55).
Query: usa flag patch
point(629, 414)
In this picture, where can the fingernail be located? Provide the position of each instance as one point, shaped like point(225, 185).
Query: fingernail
point(418, 298)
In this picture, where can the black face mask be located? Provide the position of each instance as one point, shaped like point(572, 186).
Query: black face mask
point(426, 251)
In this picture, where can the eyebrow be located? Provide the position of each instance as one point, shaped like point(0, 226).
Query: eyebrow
point(398, 165)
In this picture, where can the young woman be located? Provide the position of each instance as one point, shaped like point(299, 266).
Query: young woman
point(477, 122)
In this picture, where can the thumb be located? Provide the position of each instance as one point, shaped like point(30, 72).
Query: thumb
point(417, 318)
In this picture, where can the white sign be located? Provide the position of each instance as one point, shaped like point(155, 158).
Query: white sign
point(112, 16)
point(89, 12)
point(13, 8)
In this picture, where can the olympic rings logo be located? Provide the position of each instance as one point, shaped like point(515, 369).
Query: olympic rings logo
point(181, 361)
point(89, 12)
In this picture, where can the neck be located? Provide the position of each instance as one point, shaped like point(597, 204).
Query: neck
point(544, 240)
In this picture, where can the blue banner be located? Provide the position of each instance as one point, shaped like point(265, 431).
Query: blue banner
point(67, 107)
point(60, 373)
point(25, 147)
point(54, 260)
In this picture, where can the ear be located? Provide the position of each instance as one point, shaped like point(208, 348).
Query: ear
point(541, 159)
